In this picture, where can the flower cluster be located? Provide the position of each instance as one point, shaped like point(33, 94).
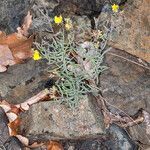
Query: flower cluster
point(68, 25)
point(59, 19)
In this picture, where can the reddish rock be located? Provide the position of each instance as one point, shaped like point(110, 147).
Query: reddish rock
point(126, 87)
point(132, 29)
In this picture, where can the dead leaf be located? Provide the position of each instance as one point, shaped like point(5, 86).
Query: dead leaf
point(23, 51)
point(11, 40)
point(23, 30)
point(52, 145)
point(23, 140)
point(5, 105)
point(15, 110)
point(17, 46)
point(6, 57)
point(14, 126)
point(11, 116)
point(36, 145)
point(3, 68)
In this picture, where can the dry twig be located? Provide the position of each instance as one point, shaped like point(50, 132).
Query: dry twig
point(35, 99)
point(122, 121)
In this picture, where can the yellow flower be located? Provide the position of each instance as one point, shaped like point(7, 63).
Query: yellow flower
point(36, 55)
point(68, 23)
point(68, 26)
point(115, 8)
point(58, 19)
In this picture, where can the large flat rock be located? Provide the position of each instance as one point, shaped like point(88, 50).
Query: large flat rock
point(125, 84)
point(48, 120)
point(23, 81)
point(131, 28)
point(126, 87)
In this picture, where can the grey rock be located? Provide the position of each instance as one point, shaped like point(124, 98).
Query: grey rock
point(116, 138)
point(131, 28)
point(123, 141)
point(12, 13)
point(22, 81)
point(4, 132)
point(125, 85)
point(51, 120)
point(13, 143)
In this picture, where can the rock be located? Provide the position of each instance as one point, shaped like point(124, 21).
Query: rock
point(125, 85)
point(22, 81)
point(49, 4)
point(122, 139)
point(13, 143)
point(115, 139)
point(132, 29)
point(12, 13)
point(87, 8)
point(6, 141)
point(79, 7)
point(52, 120)
point(4, 131)
point(83, 7)
point(138, 133)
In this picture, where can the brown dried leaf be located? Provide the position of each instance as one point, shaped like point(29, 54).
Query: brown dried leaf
point(5, 105)
point(23, 140)
point(11, 40)
point(6, 57)
point(11, 116)
point(16, 47)
point(9, 107)
point(20, 47)
point(23, 51)
point(14, 126)
point(23, 30)
point(52, 145)
point(37, 145)
point(2, 68)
